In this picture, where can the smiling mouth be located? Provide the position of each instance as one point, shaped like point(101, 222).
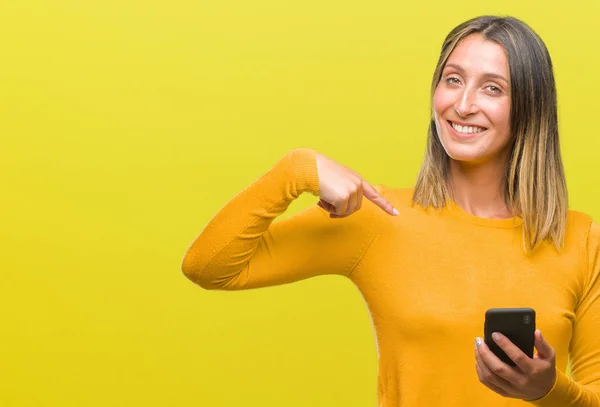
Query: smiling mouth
point(466, 130)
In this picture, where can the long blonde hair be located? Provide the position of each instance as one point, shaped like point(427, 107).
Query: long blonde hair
point(535, 186)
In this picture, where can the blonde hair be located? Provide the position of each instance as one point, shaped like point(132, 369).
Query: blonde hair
point(535, 187)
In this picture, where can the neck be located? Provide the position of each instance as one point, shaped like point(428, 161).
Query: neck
point(479, 188)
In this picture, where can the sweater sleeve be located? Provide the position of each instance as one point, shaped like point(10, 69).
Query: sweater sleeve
point(584, 389)
point(243, 246)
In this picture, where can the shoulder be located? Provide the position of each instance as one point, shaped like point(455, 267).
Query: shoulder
point(588, 232)
point(584, 225)
point(585, 232)
point(411, 216)
point(581, 225)
point(578, 218)
point(399, 197)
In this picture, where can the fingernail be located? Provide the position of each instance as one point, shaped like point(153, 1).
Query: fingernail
point(496, 336)
point(396, 212)
point(477, 342)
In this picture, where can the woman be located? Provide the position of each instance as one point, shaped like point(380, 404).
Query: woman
point(486, 225)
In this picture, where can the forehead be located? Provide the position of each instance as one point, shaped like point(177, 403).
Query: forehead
point(478, 55)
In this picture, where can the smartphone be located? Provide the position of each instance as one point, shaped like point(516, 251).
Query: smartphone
point(517, 324)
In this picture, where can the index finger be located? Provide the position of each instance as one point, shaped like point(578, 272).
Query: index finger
point(372, 195)
point(497, 366)
point(522, 361)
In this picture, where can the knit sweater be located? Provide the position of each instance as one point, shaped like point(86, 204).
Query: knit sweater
point(427, 277)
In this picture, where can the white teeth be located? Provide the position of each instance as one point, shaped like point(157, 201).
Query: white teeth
point(466, 129)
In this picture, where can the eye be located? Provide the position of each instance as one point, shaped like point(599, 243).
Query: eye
point(494, 89)
point(452, 80)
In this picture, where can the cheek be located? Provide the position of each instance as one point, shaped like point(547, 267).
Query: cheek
point(441, 100)
point(500, 115)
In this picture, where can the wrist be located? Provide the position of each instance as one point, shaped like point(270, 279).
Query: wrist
point(304, 163)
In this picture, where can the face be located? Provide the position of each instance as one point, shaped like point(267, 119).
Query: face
point(475, 82)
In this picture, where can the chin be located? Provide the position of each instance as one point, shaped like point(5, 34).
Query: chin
point(471, 151)
point(465, 156)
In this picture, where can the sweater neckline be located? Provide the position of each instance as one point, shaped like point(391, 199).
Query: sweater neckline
point(508, 223)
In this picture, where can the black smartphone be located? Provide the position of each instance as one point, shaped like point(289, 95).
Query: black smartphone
point(517, 324)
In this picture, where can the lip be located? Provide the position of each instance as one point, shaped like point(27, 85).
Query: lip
point(467, 124)
point(463, 136)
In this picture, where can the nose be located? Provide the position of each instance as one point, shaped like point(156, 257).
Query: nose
point(466, 102)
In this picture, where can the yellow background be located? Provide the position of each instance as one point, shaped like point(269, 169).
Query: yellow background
point(125, 125)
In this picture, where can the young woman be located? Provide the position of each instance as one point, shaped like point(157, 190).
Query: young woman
point(487, 225)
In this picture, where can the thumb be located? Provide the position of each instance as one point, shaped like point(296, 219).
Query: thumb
point(544, 350)
point(372, 195)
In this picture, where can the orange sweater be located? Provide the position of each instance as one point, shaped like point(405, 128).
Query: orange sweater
point(427, 278)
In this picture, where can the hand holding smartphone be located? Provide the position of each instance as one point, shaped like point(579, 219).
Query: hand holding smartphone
point(517, 324)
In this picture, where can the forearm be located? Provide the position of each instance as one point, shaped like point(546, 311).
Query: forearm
point(229, 240)
point(568, 393)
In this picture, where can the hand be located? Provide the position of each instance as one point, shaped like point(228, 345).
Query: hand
point(341, 190)
point(531, 379)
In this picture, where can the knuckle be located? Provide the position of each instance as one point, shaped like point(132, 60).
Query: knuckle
point(344, 197)
point(337, 206)
point(498, 369)
point(350, 188)
point(503, 393)
point(356, 179)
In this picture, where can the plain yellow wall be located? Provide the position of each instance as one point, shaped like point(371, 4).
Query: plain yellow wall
point(125, 125)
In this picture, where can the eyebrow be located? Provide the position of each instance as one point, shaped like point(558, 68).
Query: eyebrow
point(489, 74)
